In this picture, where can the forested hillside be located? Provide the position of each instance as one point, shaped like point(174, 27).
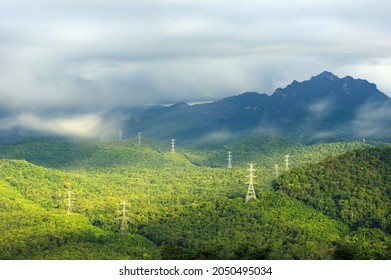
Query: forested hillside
point(83, 154)
point(354, 188)
point(267, 151)
point(188, 204)
point(188, 213)
point(34, 224)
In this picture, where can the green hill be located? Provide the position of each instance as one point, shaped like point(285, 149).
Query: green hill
point(354, 188)
point(184, 206)
point(81, 154)
point(38, 227)
point(267, 151)
point(188, 213)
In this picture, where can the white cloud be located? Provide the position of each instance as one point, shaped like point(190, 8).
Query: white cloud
point(85, 126)
point(373, 119)
point(218, 137)
point(320, 109)
point(97, 55)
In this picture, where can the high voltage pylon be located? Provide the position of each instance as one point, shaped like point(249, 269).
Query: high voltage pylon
point(120, 134)
point(250, 190)
point(124, 223)
point(287, 162)
point(139, 138)
point(172, 145)
point(276, 170)
point(69, 201)
point(229, 160)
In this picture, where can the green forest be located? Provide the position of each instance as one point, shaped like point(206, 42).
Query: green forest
point(118, 199)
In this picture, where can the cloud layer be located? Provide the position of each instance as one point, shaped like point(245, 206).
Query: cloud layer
point(93, 56)
point(80, 126)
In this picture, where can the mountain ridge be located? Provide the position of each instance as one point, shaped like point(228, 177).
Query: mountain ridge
point(323, 108)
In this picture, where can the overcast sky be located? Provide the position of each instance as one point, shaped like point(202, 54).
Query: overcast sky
point(94, 55)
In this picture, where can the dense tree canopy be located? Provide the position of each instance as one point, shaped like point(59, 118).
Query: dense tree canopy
point(188, 205)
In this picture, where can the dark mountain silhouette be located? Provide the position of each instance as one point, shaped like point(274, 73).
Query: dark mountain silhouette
point(323, 108)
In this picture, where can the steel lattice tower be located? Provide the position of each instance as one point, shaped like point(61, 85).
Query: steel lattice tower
point(69, 199)
point(276, 170)
point(229, 160)
point(250, 190)
point(287, 162)
point(172, 145)
point(69, 202)
point(124, 224)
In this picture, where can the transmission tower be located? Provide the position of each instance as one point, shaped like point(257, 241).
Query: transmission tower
point(172, 145)
point(250, 190)
point(124, 224)
point(120, 134)
point(276, 170)
point(229, 160)
point(287, 162)
point(139, 138)
point(70, 201)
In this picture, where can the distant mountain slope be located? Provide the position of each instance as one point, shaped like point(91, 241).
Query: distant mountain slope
point(266, 151)
point(323, 108)
point(91, 154)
